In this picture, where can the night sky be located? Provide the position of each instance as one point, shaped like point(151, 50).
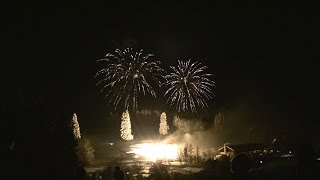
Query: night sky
point(263, 55)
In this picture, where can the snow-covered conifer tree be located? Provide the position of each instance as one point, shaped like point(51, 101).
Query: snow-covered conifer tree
point(163, 129)
point(126, 126)
point(75, 126)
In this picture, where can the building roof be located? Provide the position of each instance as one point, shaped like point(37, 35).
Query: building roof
point(242, 147)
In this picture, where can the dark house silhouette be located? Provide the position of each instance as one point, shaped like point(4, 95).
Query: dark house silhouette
point(233, 149)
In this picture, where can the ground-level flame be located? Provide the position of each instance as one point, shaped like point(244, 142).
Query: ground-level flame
point(155, 151)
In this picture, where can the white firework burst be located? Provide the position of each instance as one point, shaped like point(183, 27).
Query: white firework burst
point(127, 75)
point(189, 87)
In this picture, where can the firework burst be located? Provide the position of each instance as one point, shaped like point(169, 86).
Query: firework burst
point(127, 75)
point(189, 87)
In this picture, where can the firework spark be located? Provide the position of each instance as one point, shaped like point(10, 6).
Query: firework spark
point(189, 87)
point(127, 75)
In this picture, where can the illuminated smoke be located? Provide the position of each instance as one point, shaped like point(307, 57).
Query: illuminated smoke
point(192, 131)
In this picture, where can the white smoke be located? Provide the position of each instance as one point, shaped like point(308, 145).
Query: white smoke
point(191, 131)
point(148, 112)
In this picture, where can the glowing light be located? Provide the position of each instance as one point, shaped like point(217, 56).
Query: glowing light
point(155, 151)
point(135, 76)
point(188, 86)
point(127, 75)
point(163, 127)
point(286, 155)
point(126, 126)
point(75, 126)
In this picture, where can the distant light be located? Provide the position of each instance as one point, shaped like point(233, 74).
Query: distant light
point(261, 162)
point(111, 144)
point(286, 155)
point(318, 159)
point(290, 152)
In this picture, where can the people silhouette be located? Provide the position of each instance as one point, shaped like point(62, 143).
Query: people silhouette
point(306, 168)
point(118, 173)
point(240, 165)
point(80, 173)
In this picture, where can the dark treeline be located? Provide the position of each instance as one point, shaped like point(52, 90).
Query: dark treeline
point(36, 140)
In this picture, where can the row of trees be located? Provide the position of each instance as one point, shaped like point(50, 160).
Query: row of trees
point(126, 132)
point(191, 155)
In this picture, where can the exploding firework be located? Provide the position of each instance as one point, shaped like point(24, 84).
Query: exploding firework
point(189, 87)
point(127, 75)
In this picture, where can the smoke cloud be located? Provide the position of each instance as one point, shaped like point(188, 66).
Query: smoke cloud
point(192, 131)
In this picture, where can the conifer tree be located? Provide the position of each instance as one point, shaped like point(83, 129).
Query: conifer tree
point(126, 126)
point(75, 126)
point(163, 129)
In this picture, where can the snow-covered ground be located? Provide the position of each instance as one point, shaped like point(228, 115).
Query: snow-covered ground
point(111, 152)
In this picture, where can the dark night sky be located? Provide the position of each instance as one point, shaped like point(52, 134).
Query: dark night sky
point(262, 54)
